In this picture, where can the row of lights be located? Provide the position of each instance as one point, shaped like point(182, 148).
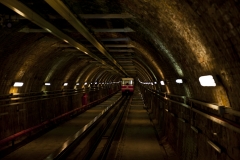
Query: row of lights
point(20, 84)
point(161, 82)
point(206, 81)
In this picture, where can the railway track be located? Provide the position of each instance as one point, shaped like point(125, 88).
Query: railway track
point(95, 142)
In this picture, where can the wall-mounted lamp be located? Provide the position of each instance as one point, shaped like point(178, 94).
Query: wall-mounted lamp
point(194, 129)
point(47, 84)
point(65, 41)
point(217, 148)
point(18, 84)
point(179, 81)
point(207, 81)
point(162, 83)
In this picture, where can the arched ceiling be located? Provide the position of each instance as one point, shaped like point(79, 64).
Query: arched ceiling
point(101, 40)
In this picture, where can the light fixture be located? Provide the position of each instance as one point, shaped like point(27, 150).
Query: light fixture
point(65, 84)
point(217, 148)
point(162, 83)
point(207, 81)
point(65, 41)
point(194, 129)
point(95, 82)
point(85, 83)
point(77, 84)
point(47, 84)
point(18, 84)
point(155, 82)
point(48, 30)
point(179, 81)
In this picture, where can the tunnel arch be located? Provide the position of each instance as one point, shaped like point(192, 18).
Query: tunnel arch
point(151, 41)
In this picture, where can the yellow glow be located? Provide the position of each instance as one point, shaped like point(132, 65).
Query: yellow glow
point(186, 31)
point(19, 12)
point(13, 90)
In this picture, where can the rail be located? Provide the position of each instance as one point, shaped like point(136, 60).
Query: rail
point(50, 121)
point(69, 145)
point(13, 99)
point(221, 110)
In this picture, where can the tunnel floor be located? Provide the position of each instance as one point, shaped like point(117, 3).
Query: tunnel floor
point(139, 141)
point(43, 146)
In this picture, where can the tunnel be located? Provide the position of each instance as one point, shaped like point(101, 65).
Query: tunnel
point(57, 56)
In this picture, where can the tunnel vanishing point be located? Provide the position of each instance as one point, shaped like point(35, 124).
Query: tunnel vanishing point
point(75, 48)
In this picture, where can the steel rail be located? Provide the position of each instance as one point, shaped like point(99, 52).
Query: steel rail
point(73, 141)
point(104, 152)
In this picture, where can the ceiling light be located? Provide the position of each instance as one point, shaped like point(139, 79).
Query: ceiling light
point(18, 84)
point(179, 81)
point(207, 81)
point(65, 84)
point(77, 84)
point(162, 83)
point(47, 84)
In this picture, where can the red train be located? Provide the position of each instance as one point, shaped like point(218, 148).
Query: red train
point(127, 86)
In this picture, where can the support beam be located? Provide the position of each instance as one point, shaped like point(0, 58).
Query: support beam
point(114, 30)
point(63, 10)
point(119, 45)
point(123, 50)
point(62, 46)
point(29, 30)
point(105, 16)
point(116, 39)
point(26, 12)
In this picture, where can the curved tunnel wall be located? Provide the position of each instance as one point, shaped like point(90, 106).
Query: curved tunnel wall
point(172, 39)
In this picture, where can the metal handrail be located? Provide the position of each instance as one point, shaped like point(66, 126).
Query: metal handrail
point(215, 119)
point(26, 131)
point(221, 109)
